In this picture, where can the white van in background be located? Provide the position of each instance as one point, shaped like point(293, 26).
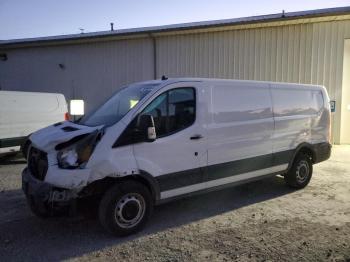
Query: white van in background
point(22, 113)
point(156, 141)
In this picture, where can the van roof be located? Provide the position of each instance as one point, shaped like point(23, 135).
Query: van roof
point(28, 93)
point(217, 80)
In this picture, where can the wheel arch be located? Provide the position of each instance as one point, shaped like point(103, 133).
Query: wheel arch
point(102, 185)
point(305, 148)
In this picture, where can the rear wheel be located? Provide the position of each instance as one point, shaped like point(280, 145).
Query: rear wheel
point(125, 208)
point(300, 173)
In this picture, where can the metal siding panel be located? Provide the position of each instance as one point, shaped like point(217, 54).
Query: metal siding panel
point(241, 54)
point(203, 56)
point(230, 55)
point(290, 53)
point(256, 52)
point(227, 57)
point(273, 55)
point(203, 65)
point(198, 58)
point(296, 51)
point(92, 71)
point(246, 55)
point(332, 59)
point(302, 54)
point(284, 65)
point(336, 127)
point(190, 56)
point(211, 55)
point(221, 55)
point(262, 52)
point(236, 54)
point(327, 54)
point(307, 53)
point(216, 55)
point(279, 59)
point(270, 65)
point(251, 54)
point(314, 50)
point(320, 54)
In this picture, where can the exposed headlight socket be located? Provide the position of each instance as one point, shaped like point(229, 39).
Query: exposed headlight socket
point(76, 152)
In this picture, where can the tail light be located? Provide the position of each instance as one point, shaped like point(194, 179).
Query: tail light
point(66, 116)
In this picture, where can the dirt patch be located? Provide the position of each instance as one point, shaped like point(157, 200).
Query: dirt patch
point(277, 240)
point(260, 221)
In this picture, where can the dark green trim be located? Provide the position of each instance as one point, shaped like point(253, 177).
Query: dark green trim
point(239, 167)
point(283, 157)
point(211, 189)
point(13, 141)
point(189, 177)
point(180, 179)
point(213, 172)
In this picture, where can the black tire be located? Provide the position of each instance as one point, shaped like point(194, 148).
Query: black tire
point(24, 147)
point(125, 201)
point(300, 173)
point(42, 213)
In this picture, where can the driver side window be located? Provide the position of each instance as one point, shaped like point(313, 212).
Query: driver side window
point(158, 110)
point(173, 110)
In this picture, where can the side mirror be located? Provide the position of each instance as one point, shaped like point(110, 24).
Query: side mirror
point(145, 124)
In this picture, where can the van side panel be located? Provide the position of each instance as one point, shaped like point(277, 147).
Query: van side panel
point(23, 113)
point(300, 117)
point(240, 128)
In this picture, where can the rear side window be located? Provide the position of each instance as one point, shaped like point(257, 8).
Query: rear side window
point(173, 110)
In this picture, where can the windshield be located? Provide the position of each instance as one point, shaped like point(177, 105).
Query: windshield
point(117, 106)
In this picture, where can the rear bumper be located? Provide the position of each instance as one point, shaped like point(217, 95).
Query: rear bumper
point(46, 199)
point(322, 152)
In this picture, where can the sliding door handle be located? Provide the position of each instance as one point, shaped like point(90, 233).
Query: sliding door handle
point(196, 137)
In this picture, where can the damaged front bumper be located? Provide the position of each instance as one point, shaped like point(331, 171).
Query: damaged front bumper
point(45, 199)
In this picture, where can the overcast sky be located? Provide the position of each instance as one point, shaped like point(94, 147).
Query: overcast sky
point(33, 18)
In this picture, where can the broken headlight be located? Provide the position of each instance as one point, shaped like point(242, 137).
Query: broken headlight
point(75, 154)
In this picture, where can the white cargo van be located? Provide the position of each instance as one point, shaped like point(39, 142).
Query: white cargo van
point(155, 141)
point(22, 113)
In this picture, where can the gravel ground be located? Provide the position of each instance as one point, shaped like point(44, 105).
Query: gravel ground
point(258, 221)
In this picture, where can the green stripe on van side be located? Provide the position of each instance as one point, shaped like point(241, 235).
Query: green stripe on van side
point(13, 141)
point(222, 170)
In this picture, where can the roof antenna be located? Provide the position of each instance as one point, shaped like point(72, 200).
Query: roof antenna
point(164, 78)
point(112, 29)
point(283, 14)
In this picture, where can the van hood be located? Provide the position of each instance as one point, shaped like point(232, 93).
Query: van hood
point(47, 138)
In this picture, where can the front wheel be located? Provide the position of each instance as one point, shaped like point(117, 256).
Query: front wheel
point(125, 208)
point(300, 173)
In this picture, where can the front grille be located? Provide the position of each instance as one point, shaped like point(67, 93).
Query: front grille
point(37, 163)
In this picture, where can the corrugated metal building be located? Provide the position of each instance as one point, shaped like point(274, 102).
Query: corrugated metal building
point(301, 47)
